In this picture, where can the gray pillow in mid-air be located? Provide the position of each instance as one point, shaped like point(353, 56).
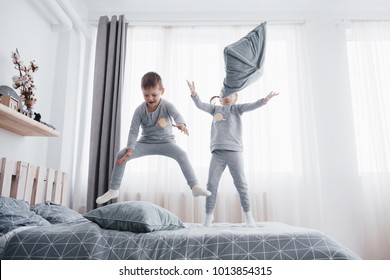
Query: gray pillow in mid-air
point(244, 60)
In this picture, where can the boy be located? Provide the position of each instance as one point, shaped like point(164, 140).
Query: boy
point(154, 116)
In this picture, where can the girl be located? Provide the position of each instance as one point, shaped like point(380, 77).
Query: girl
point(226, 148)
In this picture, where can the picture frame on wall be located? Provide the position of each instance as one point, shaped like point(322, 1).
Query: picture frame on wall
point(10, 102)
point(9, 98)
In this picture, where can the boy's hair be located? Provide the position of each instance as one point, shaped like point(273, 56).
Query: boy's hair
point(151, 79)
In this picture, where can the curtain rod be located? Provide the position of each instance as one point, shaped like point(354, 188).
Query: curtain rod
point(178, 23)
point(345, 20)
point(192, 23)
point(212, 23)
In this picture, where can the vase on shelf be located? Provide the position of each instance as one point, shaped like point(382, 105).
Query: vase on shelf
point(30, 107)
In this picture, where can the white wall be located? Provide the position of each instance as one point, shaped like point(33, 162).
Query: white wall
point(24, 29)
point(27, 25)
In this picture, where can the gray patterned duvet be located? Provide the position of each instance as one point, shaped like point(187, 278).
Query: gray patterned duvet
point(86, 240)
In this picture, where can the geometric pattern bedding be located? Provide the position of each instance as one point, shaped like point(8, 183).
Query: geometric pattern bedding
point(86, 240)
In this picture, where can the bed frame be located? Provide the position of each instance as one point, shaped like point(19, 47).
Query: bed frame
point(32, 183)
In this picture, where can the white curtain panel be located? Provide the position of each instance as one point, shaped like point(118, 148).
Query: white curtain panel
point(368, 46)
point(81, 163)
point(279, 139)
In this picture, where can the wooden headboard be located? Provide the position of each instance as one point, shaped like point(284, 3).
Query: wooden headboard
point(32, 183)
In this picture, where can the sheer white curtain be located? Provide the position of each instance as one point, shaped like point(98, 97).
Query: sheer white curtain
point(81, 159)
point(279, 139)
point(369, 63)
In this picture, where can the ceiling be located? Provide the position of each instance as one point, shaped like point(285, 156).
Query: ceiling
point(198, 12)
point(196, 9)
point(234, 5)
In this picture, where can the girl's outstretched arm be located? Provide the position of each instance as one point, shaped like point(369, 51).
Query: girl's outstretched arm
point(209, 108)
point(268, 97)
point(192, 88)
point(246, 107)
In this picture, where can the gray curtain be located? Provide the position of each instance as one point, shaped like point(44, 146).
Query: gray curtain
point(107, 99)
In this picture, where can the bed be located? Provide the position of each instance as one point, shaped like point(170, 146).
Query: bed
point(143, 231)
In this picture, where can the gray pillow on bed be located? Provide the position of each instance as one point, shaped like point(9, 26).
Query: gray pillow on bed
point(56, 213)
point(16, 213)
point(135, 216)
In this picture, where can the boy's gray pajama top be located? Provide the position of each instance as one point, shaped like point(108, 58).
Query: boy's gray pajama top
point(226, 148)
point(156, 139)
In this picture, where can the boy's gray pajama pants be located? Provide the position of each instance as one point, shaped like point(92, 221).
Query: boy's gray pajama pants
point(235, 162)
point(164, 149)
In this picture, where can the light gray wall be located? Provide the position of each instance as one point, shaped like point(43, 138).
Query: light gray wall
point(27, 25)
point(23, 28)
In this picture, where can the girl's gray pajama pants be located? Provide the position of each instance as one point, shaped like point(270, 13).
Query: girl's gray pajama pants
point(234, 160)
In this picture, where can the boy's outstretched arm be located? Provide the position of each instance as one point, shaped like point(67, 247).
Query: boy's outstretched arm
point(179, 120)
point(182, 127)
point(125, 157)
point(132, 138)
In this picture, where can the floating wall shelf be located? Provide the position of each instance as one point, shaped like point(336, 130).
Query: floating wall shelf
point(23, 125)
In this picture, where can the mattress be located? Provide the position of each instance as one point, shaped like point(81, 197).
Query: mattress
point(84, 239)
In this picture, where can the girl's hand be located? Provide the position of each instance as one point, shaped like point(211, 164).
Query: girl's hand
point(268, 97)
point(125, 157)
point(182, 127)
point(192, 87)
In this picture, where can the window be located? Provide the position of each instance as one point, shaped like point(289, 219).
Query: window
point(182, 53)
point(368, 46)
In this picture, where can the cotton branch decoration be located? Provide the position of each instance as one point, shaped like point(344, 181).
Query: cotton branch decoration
point(25, 80)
